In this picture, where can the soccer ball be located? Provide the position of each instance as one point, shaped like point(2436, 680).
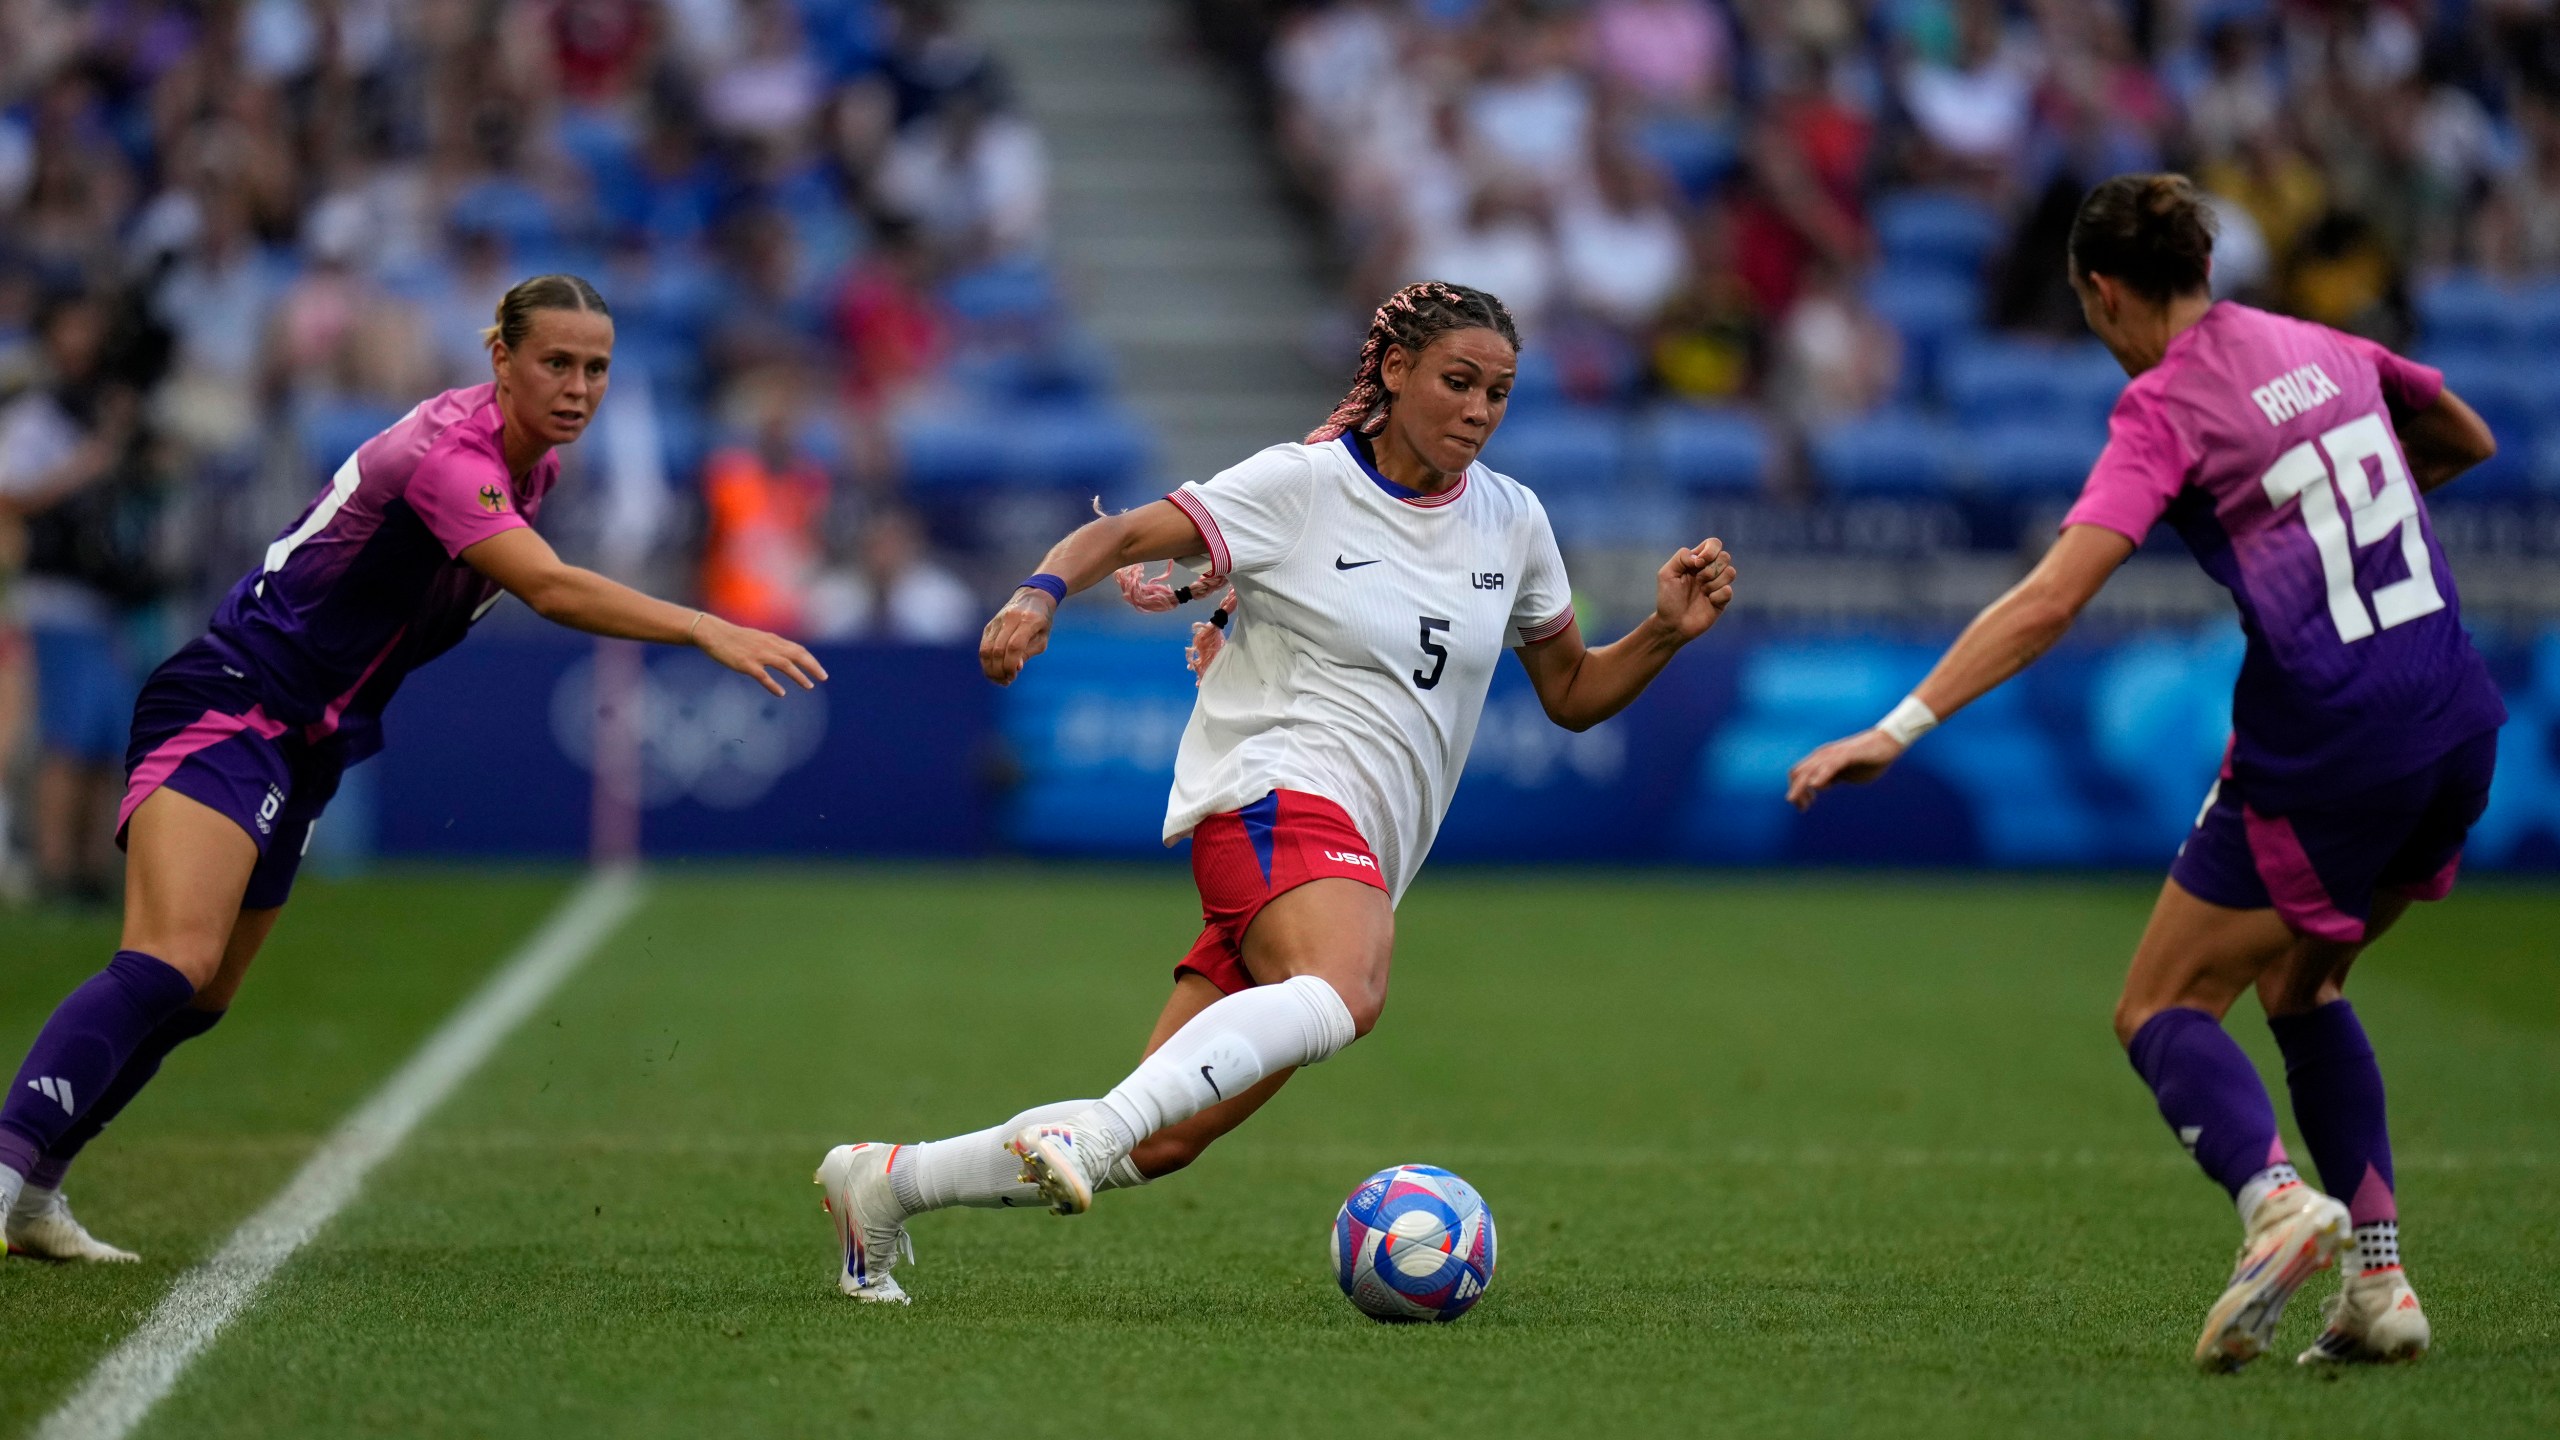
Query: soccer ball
point(1413, 1243)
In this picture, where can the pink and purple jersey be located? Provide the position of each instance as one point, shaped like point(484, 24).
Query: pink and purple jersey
point(2268, 443)
point(367, 585)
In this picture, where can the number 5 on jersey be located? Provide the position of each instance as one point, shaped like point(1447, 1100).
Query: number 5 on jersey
point(1439, 653)
point(2371, 514)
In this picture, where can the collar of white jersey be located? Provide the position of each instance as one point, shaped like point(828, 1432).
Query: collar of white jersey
point(1358, 450)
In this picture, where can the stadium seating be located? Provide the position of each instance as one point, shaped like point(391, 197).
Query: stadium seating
point(1995, 380)
point(1563, 449)
point(1697, 154)
point(1710, 450)
point(2022, 459)
point(1934, 229)
point(2505, 390)
point(1931, 309)
point(1892, 452)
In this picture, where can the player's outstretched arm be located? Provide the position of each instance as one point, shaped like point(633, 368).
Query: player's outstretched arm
point(2004, 639)
point(2443, 440)
point(525, 566)
point(1156, 531)
point(1582, 687)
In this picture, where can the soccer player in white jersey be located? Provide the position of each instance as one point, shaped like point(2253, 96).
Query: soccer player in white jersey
point(1379, 572)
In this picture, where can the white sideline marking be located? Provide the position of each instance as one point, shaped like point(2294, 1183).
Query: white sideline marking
point(141, 1371)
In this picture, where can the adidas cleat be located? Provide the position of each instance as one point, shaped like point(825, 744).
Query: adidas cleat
point(2374, 1319)
point(51, 1232)
point(1066, 1161)
point(869, 1222)
point(2295, 1234)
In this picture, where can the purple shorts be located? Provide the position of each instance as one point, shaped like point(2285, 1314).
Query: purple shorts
point(201, 730)
point(2320, 866)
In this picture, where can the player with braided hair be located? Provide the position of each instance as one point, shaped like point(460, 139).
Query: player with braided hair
point(1378, 572)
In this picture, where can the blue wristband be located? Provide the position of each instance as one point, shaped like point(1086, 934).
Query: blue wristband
point(1046, 584)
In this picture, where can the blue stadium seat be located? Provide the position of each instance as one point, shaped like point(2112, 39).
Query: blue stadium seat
point(2537, 322)
point(2028, 459)
point(1006, 291)
point(331, 431)
point(2505, 390)
point(1561, 449)
point(1072, 447)
point(512, 210)
point(2467, 311)
point(1698, 155)
point(1890, 452)
point(1931, 309)
point(1070, 371)
point(1539, 382)
point(1711, 449)
point(1937, 229)
point(1996, 381)
point(1575, 369)
point(684, 437)
point(951, 450)
point(2545, 476)
point(2086, 382)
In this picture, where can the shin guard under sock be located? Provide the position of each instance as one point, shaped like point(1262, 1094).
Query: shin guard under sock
point(76, 1057)
point(139, 1068)
point(2337, 1102)
point(2210, 1094)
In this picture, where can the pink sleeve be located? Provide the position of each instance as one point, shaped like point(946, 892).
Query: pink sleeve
point(2142, 469)
point(463, 496)
point(2406, 385)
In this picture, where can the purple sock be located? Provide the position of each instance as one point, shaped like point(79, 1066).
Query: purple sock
point(144, 1063)
point(2337, 1100)
point(76, 1056)
point(2210, 1094)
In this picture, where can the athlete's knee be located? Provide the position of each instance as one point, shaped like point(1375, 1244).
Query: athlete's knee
point(2310, 975)
point(2131, 1015)
point(1365, 996)
point(200, 963)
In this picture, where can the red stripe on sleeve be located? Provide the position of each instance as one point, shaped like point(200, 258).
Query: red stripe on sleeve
point(1548, 629)
point(1220, 561)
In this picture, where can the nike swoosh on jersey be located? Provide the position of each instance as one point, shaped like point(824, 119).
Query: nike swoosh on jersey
point(1341, 564)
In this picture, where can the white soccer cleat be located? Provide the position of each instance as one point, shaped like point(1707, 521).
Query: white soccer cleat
point(52, 1232)
point(1066, 1161)
point(2374, 1319)
point(2295, 1234)
point(869, 1222)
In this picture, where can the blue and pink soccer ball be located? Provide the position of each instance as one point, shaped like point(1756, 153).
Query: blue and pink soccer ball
point(1413, 1243)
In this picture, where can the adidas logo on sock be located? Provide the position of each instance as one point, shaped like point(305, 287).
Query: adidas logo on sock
point(57, 1091)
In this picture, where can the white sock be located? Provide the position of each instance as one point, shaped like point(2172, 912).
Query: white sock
point(2377, 1246)
point(976, 1169)
point(1225, 1051)
point(31, 1201)
point(11, 1182)
point(2266, 1182)
point(972, 1169)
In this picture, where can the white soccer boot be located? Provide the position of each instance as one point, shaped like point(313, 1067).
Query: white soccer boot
point(2294, 1235)
point(869, 1221)
point(2374, 1319)
point(1068, 1162)
point(50, 1231)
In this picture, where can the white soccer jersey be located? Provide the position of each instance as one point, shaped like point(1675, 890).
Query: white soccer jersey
point(1369, 624)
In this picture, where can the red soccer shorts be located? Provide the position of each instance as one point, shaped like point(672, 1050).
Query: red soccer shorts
point(1244, 859)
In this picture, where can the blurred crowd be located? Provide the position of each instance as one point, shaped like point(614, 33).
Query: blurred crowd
point(1695, 198)
point(239, 236)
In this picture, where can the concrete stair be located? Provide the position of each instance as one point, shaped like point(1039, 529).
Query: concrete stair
point(1169, 226)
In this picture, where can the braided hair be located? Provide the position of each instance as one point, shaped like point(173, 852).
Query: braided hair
point(1412, 317)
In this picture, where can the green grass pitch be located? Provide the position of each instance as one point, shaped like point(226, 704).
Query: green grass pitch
point(1771, 1157)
